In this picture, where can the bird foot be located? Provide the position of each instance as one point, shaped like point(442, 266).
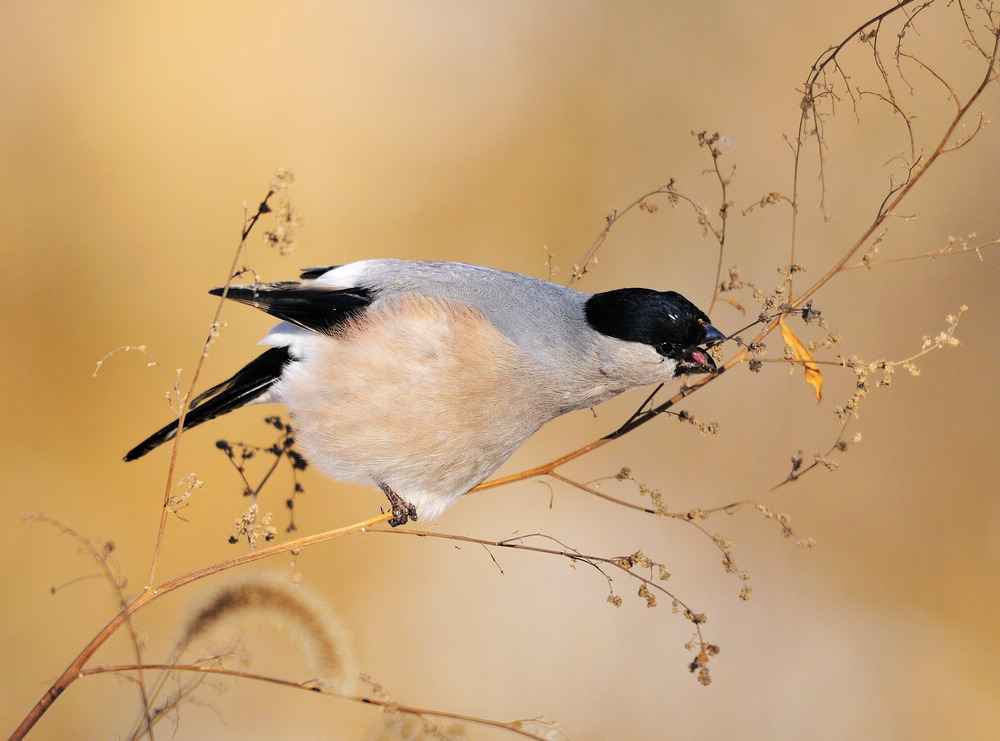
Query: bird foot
point(402, 512)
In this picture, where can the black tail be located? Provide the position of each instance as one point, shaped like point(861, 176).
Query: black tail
point(249, 383)
point(316, 308)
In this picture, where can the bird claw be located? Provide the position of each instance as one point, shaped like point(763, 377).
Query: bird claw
point(402, 511)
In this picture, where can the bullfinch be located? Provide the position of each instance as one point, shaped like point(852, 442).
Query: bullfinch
point(422, 378)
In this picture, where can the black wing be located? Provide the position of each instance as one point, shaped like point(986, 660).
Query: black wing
point(252, 381)
point(316, 308)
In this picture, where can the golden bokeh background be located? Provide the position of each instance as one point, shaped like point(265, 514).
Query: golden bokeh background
point(130, 135)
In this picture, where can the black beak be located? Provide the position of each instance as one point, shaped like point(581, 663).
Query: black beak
point(712, 336)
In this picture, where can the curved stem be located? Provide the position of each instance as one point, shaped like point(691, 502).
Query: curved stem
point(75, 669)
point(916, 173)
point(311, 687)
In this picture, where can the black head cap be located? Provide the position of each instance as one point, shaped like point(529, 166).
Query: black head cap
point(666, 321)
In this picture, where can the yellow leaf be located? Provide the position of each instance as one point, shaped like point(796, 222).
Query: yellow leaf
point(813, 377)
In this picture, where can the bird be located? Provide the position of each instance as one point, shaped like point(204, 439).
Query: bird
point(422, 378)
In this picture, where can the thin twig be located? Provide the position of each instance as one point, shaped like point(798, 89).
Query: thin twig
point(168, 489)
point(318, 688)
point(72, 672)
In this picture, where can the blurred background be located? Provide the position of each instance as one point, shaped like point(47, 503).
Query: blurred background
point(131, 134)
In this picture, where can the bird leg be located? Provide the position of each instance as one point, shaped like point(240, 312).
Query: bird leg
point(402, 512)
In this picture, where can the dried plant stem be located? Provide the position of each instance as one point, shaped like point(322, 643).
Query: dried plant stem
point(388, 705)
point(719, 233)
point(945, 252)
point(263, 208)
point(110, 575)
point(809, 106)
point(643, 203)
point(544, 469)
point(580, 270)
point(75, 669)
point(564, 551)
point(608, 497)
point(915, 172)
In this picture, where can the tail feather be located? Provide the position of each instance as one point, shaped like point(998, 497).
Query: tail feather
point(316, 308)
point(245, 386)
